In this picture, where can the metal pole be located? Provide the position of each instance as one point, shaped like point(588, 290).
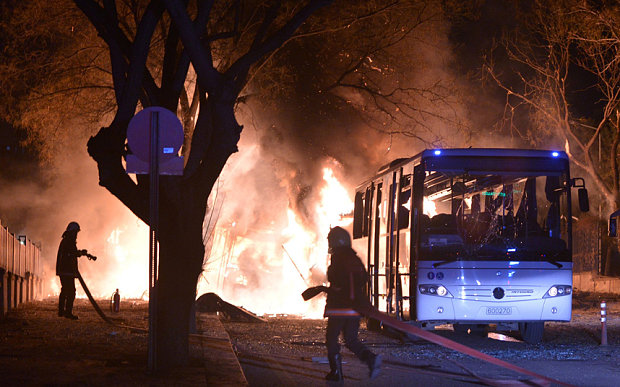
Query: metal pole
point(601, 268)
point(153, 237)
point(603, 323)
point(293, 262)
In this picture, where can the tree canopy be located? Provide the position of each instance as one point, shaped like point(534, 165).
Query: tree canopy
point(93, 63)
point(560, 67)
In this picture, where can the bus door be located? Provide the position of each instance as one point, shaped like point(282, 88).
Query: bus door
point(373, 243)
point(391, 252)
point(396, 259)
point(366, 229)
point(402, 247)
point(416, 217)
point(380, 243)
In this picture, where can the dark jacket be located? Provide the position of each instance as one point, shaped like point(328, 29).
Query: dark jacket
point(347, 279)
point(66, 260)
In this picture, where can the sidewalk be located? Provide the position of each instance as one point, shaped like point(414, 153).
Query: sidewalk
point(222, 367)
point(39, 348)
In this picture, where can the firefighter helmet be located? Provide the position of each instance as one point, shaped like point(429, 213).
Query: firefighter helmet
point(73, 226)
point(338, 237)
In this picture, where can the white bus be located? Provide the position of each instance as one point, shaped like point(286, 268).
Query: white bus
point(470, 237)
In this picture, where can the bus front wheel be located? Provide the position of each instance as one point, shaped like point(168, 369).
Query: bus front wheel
point(532, 332)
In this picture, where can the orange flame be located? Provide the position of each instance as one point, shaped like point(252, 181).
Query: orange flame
point(297, 259)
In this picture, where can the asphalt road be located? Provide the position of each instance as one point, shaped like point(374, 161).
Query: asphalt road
point(291, 352)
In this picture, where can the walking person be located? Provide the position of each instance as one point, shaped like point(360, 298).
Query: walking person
point(347, 278)
point(67, 269)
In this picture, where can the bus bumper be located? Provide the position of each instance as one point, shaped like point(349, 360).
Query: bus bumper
point(450, 310)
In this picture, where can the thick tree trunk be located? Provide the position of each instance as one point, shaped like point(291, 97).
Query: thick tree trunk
point(180, 263)
point(615, 189)
point(214, 139)
point(182, 208)
point(176, 292)
point(182, 214)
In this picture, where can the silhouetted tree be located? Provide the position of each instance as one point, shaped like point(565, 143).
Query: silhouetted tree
point(191, 34)
point(563, 70)
point(197, 58)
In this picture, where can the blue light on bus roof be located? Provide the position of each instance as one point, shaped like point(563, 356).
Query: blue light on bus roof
point(437, 152)
point(511, 250)
point(555, 154)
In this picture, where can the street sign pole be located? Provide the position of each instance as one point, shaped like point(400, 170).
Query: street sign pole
point(153, 238)
point(153, 152)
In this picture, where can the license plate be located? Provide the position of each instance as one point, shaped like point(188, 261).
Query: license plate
point(499, 310)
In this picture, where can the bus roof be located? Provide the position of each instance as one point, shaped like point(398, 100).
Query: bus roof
point(435, 157)
point(493, 152)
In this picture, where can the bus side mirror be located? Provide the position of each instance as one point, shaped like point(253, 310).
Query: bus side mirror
point(582, 192)
point(613, 227)
point(584, 202)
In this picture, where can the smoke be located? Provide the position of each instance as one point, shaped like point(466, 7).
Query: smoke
point(269, 217)
point(69, 191)
point(274, 195)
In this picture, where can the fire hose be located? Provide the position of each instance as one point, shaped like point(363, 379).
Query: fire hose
point(92, 300)
point(110, 321)
point(369, 311)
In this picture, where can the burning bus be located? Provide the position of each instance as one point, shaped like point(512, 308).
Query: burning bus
point(470, 237)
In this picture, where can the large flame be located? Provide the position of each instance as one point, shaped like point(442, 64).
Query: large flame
point(284, 262)
point(263, 269)
point(122, 261)
point(127, 247)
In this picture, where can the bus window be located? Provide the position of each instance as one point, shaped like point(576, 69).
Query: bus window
point(358, 215)
point(367, 201)
point(552, 194)
point(527, 213)
point(361, 213)
point(404, 202)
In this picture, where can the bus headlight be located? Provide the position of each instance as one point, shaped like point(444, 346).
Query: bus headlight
point(558, 290)
point(441, 291)
point(434, 290)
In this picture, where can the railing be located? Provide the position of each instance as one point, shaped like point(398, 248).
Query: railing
point(20, 270)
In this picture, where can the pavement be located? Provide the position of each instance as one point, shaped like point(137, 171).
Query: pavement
point(38, 348)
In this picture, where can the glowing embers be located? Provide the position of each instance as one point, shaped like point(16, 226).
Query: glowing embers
point(502, 337)
point(430, 208)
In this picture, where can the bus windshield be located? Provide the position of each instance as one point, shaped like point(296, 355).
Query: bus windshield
point(494, 217)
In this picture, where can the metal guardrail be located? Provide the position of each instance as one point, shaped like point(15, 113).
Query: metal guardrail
point(20, 270)
point(18, 254)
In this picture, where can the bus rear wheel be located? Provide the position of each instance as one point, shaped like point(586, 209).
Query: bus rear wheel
point(373, 325)
point(532, 332)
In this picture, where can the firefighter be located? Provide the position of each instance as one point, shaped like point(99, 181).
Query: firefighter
point(67, 269)
point(347, 278)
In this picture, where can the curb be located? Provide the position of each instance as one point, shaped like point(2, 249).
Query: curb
point(222, 368)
